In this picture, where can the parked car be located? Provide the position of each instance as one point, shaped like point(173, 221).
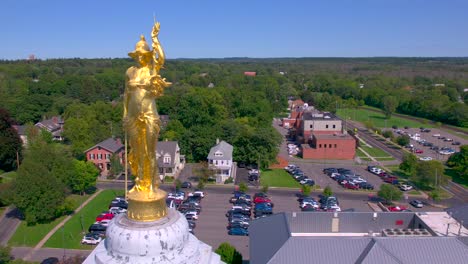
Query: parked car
point(436, 135)
point(262, 200)
point(197, 193)
point(448, 140)
point(117, 210)
point(425, 158)
point(263, 208)
point(91, 239)
point(237, 225)
point(97, 228)
point(118, 203)
point(186, 184)
point(391, 180)
point(456, 143)
point(237, 231)
point(417, 203)
point(237, 212)
point(350, 185)
point(309, 208)
point(406, 187)
point(52, 260)
point(366, 186)
point(396, 208)
point(418, 151)
point(104, 216)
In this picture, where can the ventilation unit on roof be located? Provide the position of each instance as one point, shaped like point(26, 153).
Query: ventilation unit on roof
point(399, 232)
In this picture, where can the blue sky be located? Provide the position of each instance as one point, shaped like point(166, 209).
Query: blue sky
point(235, 28)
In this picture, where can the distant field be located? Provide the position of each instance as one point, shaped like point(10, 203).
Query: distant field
point(278, 178)
point(70, 235)
point(378, 119)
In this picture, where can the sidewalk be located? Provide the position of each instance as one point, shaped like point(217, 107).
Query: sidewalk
point(46, 237)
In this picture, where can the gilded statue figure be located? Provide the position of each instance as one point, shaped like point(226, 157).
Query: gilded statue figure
point(141, 119)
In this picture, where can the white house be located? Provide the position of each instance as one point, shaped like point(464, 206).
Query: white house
point(170, 162)
point(220, 160)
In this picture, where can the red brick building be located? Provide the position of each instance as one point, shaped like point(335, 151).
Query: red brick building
point(101, 153)
point(320, 134)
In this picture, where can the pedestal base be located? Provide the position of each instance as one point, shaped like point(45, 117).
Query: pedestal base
point(163, 241)
point(147, 206)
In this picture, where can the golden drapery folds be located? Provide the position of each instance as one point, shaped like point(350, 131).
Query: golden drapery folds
point(142, 126)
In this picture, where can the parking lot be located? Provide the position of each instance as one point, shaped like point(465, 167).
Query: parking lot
point(433, 137)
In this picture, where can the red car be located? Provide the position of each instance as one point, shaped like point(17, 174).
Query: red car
point(260, 199)
point(104, 216)
point(351, 186)
point(419, 151)
point(396, 208)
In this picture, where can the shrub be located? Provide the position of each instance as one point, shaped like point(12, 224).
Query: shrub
point(229, 254)
point(201, 185)
point(305, 189)
point(177, 184)
point(265, 188)
point(387, 134)
point(327, 191)
point(243, 187)
point(229, 180)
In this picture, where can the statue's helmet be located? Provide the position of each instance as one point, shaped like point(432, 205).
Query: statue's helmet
point(141, 48)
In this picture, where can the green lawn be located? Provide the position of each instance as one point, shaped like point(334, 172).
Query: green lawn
point(375, 152)
point(360, 154)
point(70, 235)
point(8, 176)
point(31, 235)
point(278, 178)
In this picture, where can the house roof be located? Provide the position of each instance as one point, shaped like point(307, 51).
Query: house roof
point(51, 124)
point(333, 136)
point(460, 213)
point(21, 130)
point(111, 144)
point(291, 241)
point(222, 147)
point(166, 148)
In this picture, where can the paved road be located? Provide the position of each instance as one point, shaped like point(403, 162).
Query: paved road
point(8, 224)
point(43, 253)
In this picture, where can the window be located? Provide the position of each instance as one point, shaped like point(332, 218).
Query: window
point(335, 145)
point(325, 145)
point(100, 156)
point(334, 126)
point(169, 170)
point(91, 156)
point(320, 145)
point(167, 159)
point(311, 126)
point(218, 154)
point(326, 126)
point(329, 145)
point(108, 156)
point(216, 162)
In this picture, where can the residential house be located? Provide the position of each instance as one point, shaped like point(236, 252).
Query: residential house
point(21, 130)
point(358, 237)
point(170, 162)
point(252, 74)
point(220, 160)
point(101, 153)
point(54, 125)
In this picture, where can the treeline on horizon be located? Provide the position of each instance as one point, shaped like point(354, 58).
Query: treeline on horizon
point(211, 98)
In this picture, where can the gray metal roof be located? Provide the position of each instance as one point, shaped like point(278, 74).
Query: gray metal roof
point(166, 148)
point(222, 147)
point(111, 144)
point(349, 222)
point(262, 248)
point(460, 213)
point(320, 250)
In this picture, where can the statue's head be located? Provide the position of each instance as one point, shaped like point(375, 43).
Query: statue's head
point(142, 50)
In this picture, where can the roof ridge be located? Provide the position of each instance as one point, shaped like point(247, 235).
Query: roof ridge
point(375, 244)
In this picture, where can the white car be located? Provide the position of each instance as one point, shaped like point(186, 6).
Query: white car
point(425, 158)
point(176, 196)
point(436, 135)
point(311, 203)
point(91, 240)
point(405, 187)
point(197, 193)
point(335, 208)
point(105, 222)
point(117, 210)
point(193, 214)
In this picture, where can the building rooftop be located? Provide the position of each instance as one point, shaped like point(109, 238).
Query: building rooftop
point(332, 136)
point(166, 147)
point(222, 147)
point(443, 224)
point(317, 115)
point(111, 144)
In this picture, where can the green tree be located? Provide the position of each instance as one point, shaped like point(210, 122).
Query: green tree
point(403, 140)
point(387, 134)
point(229, 254)
point(10, 143)
point(430, 174)
point(5, 256)
point(85, 176)
point(327, 191)
point(243, 187)
point(409, 163)
point(459, 162)
point(305, 189)
point(389, 193)
point(116, 167)
point(389, 104)
point(204, 172)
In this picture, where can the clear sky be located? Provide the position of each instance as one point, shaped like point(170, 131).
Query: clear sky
point(235, 28)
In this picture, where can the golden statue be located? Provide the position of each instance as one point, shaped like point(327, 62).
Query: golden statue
point(142, 125)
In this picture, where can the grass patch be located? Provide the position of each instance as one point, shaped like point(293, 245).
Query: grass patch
point(375, 152)
point(366, 159)
point(278, 178)
point(360, 154)
point(456, 178)
point(70, 235)
point(385, 159)
point(414, 192)
point(8, 176)
point(31, 235)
